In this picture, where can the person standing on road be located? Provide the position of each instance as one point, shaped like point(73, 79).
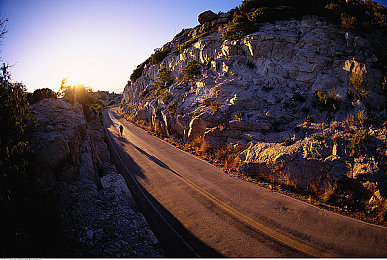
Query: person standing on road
point(121, 129)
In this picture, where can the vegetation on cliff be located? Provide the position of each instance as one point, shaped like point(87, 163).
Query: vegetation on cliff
point(279, 86)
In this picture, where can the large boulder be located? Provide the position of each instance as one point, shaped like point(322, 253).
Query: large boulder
point(57, 139)
point(207, 16)
point(302, 164)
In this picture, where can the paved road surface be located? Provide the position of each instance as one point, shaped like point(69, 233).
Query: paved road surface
point(222, 216)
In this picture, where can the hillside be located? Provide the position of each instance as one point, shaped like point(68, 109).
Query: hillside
point(279, 92)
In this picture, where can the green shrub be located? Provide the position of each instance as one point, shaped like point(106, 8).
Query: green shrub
point(190, 70)
point(40, 94)
point(237, 28)
point(158, 56)
point(163, 79)
point(138, 71)
point(358, 142)
point(172, 107)
point(327, 101)
point(15, 123)
point(260, 15)
point(163, 93)
point(183, 33)
point(189, 42)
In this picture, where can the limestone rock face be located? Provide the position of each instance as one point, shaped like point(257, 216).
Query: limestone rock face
point(262, 88)
point(57, 140)
point(300, 164)
point(206, 17)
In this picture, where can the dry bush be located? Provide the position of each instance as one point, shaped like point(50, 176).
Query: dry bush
point(349, 120)
point(313, 188)
point(328, 193)
point(334, 126)
point(358, 142)
point(285, 180)
point(348, 22)
point(214, 106)
point(335, 139)
point(359, 85)
point(361, 117)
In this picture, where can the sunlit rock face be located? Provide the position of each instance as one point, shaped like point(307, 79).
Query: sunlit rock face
point(261, 88)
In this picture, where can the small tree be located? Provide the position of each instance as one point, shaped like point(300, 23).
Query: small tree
point(78, 93)
point(163, 79)
point(237, 28)
point(190, 70)
point(172, 107)
point(159, 55)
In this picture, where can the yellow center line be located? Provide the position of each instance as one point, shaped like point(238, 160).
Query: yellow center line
point(272, 233)
point(259, 226)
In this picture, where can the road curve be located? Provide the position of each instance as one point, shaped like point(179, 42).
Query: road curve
point(222, 216)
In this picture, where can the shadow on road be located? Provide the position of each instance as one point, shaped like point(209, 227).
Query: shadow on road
point(176, 241)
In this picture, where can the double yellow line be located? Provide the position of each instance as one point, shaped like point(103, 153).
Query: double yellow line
point(272, 233)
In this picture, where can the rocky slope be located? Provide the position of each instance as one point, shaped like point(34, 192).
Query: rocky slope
point(108, 98)
point(96, 208)
point(283, 98)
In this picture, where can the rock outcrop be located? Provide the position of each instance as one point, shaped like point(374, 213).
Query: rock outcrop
point(207, 17)
point(96, 207)
point(270, 90)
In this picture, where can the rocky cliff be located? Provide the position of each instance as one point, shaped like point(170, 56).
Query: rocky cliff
point(286, 99)
point(96, 208)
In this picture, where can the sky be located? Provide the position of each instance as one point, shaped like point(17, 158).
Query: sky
point(92, 42)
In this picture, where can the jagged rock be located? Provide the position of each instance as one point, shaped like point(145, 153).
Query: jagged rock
point(223, 18)
point(297, 163)
point(207, 16)
point(364, 167)
point(271, 77)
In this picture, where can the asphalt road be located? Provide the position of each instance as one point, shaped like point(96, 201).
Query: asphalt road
point(218, 215)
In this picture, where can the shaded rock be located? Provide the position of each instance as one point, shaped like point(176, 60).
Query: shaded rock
point(207, 16)
point(60, 148)
point(249, 126)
